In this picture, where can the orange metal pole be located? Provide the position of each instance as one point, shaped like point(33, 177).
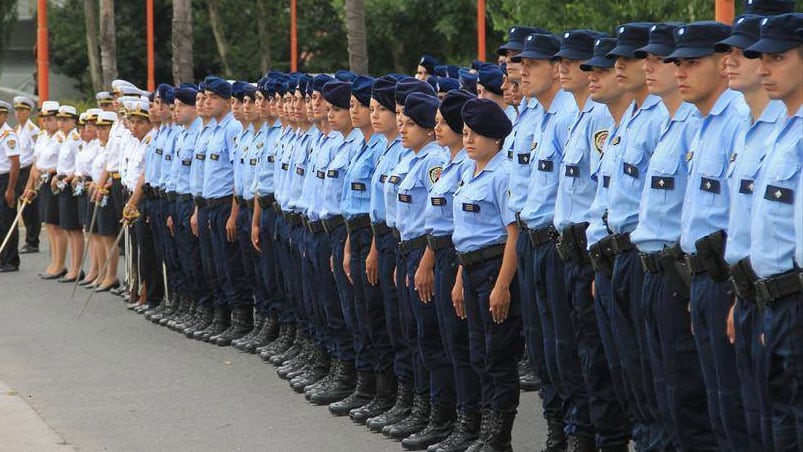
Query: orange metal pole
point(42, 53)
point(481, 30)
point(293, 37)
point(724, 11)
point(151, 63)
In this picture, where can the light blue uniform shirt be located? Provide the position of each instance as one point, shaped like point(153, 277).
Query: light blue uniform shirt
point(642, 130)
point(308, 183)
point(509, 145)
point(329, 144)
point(705, 209)
point(241, 144)
point(197, 168)
point(153, 156)
point(610, 161)
point(168, 153)
point(264, 183)
point(299, 163)
point(772, 234)
point(530, 118)
point(384, 165)
point(544, 160)
point(397, 174)
point(356, 189)
point(251, 157)
point(424, 169)
point(336, 173)
point(184, 155)
point(665, 183)
point(219, 167)
point(438, 216)
point(283, 147)
point(749, 153)
point(799, 222)
point(581, 154)
point(481, 211)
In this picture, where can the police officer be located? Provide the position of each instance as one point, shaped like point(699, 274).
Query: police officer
point(106, 218)
point(486, 292)
point(87, 151)
point(702, 81)
point(27, 132)
point(773, 258)
point(9, 174)
point(426, 67)
point(70, 228)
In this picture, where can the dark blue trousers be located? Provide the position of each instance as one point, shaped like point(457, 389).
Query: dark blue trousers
point(710, 304)
point(346, 295)
point(228, 260)
point(402, 357)
point(150, 266)
point(175, 276)
point(189, 251)
point(269, 269)
point(309, 281)
point(250, 258)
point(677, 378)
point(751, 359)
point(303, 297)
point(320, 251)
point(603, 308)
point(454, 333)
point(208, 259)
point(428, 339)
point(495, 348)
point(408, 326)
point(282, 240)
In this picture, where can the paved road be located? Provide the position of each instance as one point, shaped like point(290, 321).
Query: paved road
point(112, 381)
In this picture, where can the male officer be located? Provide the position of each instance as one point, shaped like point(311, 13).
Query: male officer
point(774, 238)
point(539, 264)
point(677, 379)
point(9, 174)
point(27, 132)
point(702, 79)
point(573, 200)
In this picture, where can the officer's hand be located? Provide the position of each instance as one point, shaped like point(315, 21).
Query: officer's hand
point(372, 266)
point(194, 224)
point(255, 237)
point(54, 182)
point(170, 226)
point(731, 327)
point(332, 264)
point(691, 324)
point(499, 304)
point(347, 264)
point(424, 283)
point(29, 195)
point(9, 195)
point(231, 228)
point(457, 299)
point(394, 277)
point(593, 289)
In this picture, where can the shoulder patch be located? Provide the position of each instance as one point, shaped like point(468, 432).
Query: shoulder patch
point(435, 173)
point(30, 126)
point(148, 139)
point(689, 156)
point(11, 144)
point(60, 138)
point(600, 136)
point(75, 136)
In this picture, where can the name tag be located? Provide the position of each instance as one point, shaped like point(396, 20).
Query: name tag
point(358, 186)
point(407, 199)
point(606, 180)
point(242, 160)
point(333, 173)
point(394, 180)
point(709, 185)
point(779, 194)
point(299, 171)
point(285, 166)
point(746, 186)
point(186, 162)
point(630, 170)
point(271, 158)
point(200, 156)
point(383, 178)
point(469, 207)
point(169, 157)
point(252, 162)
point(437, 201)
point(510, 155)
point(572, 171)
point(662, 183)
point(546, 166)
point(524, 159)
point(320, 174)
point(214, 157)
point(159, 152)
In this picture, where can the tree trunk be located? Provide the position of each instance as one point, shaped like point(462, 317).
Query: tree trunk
point(220, 37)
point(355, 31)
point(264, 34)
point(182, 42)
point(92, 45)
point(108, 42)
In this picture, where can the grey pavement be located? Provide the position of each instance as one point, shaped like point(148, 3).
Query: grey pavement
point(112, 381)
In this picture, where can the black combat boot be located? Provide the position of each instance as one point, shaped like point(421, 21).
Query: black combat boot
point(296, 366)
point(487, 424)
point(363, 393)
point(382, 401)
point(342, 385)
point(180, 322)
point(415, 422)
point(440, 425)
point(202, 319)
point(315, 373)
point(556, 436)
point(220, 322)
point(400, 409)
point(325, 382)
point(242, 321)
point(267, 334)
point(499, 441)
point(152, 310)
point(294, 349)
point(581, 443)
point(466, 431)
point(183, 307)
point(281, 344)
point(259, 320)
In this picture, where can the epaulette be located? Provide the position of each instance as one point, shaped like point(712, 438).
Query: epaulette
point(60, 138)
point(4, 134)
point(148, 139)
point(75, 136)
point(30, 126)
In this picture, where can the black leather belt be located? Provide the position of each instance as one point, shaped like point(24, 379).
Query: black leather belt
point(650, 262)
point(408, 246)
point(694, 264)
point(293, 218)
point(396, 233)
point(330, 224)
point(266, 201)
point(277, 207)
point(544, 235)
point(170, 196)
point(200, 201)
point(438, 243)
point(477, 257)
point(357, 223)
point(214, 202)
point(768, 290)
point(380, 228)
point(315, 227)
point(183, 197)
point(621, 243)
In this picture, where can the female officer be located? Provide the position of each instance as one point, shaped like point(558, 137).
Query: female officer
point(431, 367)
point(107, 217)
point(486, 291)
point(70, 228)
point(83, 167)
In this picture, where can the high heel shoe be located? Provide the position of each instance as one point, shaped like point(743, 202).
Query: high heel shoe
point(86, 281)
point(72, 280)
point(111, 286)
point(46, 275)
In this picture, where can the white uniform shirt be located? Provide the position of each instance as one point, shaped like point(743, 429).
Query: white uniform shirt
point(119, 139)
point(9, 147)
point(134, 157)
point(27, 134)
point(67, 152)
point(46, 151)
point(85, 157)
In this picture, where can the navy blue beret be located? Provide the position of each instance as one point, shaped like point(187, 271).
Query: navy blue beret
point(238, 89)
point(202, 86)
point(630, 37)
point(292, 83)
point(165, 92)
point(446, 84)
point(218, 86)
point(491, 78)
point(447, 70)
point(421, 108)
point(778, 34)
point(337, 93)
point(303, 81)
point(186, 95)
point(600, 59)
point(746, 31)
point(384, 91)
point(486, 118)
point(452, 107)
point(768, 7)
point(361, 89)
point(516, 37)
point(697, 39)
point(538, 46)
point(345, 75)
point(662, 40)
point(408, 86)
point(250, 91)
point(188, 85)
point(433, 82)
point(429, 63)
point(468, 81)
point(319, 81)
point(577, 44)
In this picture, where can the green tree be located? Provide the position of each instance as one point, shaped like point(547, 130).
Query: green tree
point(8, 17)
